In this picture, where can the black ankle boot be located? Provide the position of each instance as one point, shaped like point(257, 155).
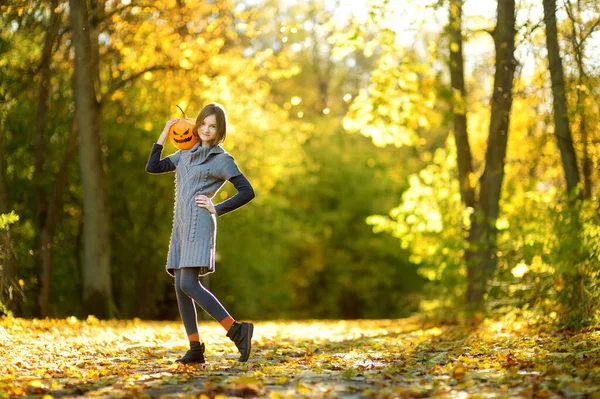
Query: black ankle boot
point(194, 355)
point(241, 335)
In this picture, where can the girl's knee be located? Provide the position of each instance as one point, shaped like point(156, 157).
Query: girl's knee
point(187, 286)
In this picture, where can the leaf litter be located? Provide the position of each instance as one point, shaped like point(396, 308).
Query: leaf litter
point(406, 358)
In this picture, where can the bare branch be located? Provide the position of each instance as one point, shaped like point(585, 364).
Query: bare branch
point(592, 30)
point(122, 82)
point(106, 16)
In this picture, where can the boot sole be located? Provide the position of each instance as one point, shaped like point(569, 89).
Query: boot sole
point(202, 359)
point(245, 357)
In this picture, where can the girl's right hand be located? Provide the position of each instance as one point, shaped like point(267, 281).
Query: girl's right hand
point(165, 133)
point(170, 123)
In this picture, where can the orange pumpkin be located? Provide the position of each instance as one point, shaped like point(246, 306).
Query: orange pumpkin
point(182, 134)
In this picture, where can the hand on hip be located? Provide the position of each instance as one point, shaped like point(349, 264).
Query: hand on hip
point(204, 202)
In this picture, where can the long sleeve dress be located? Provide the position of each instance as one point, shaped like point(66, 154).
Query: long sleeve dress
point(201, 170)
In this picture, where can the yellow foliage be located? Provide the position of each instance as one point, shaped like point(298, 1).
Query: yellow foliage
point(399, 101)
point(519, 270)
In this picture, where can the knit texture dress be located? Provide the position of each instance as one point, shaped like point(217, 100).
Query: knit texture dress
point(201, 170)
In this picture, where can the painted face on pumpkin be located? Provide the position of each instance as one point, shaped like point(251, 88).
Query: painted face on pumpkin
point(182, 135)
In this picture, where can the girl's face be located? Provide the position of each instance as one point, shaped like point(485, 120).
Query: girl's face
point(208, 129)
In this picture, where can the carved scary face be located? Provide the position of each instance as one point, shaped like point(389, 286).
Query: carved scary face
point(182, 134)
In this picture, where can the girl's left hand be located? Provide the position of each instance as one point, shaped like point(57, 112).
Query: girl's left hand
point(204, 202)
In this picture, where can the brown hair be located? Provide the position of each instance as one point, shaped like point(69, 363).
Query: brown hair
point(218, 111)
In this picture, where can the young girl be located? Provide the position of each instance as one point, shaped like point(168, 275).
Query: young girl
point(199, 174)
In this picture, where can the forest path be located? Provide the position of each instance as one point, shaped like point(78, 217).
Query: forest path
point(403, 358)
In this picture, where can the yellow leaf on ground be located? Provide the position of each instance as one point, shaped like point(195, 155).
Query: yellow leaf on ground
point(458, 372)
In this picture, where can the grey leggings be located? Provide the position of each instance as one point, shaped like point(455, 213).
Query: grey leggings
point(188, 290)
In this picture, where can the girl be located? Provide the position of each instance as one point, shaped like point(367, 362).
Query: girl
point(199, 174)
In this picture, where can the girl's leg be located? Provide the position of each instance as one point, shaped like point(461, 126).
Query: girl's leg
point(192, 288)
point(239, 333)
point(187, 310)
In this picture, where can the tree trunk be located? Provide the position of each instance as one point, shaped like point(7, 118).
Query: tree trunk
point(578, 42)
point(583, 130)
point(561, 117)
point(52, 217)
point(97, 297)
point(96, 14)
point(481, 253)
point(459, 107)
point(10, 290)
point(45, 265)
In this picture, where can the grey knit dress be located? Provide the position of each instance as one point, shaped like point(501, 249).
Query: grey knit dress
point(199, 171)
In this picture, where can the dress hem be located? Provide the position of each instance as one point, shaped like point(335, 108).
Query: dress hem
point(172, 273)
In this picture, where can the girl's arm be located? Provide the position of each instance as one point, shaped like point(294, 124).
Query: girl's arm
point(155, 164)
point(244, 195)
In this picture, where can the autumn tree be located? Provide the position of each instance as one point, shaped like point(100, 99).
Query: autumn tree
point(97, 295)
point(459, 105)
point(562, 129)
point(48, 212)
point(12, 85)
point(481, 254)
point(580, 31)
point(418, 113)
point(10, 291)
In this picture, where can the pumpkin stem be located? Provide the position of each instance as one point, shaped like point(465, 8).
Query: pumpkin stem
point(184, 115)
